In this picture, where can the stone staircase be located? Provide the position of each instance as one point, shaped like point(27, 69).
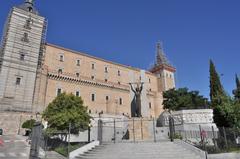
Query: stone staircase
point(140, 150)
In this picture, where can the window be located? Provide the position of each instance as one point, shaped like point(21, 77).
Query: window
point(60, 71)
point(150, 105)
point(78, 62)
point(119, 73)
point(25, 37)
point(93, 66)
point(59, 91)
point(106, 70)
point(18, 81)
point(170, 76)
point(106, 80)
point(92, 77)
point(107, 98)
point(93, 97)
point(89, 111)
point(149, 80)
point(150, 89)
point(77, 93)
point(120, 101)
point(77, 74)
point(27, 24)
point(61, 58)
point(119, 82)
point(22, 57)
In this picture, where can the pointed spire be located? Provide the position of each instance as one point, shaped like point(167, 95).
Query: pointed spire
point(30, 2)
point(161, 58)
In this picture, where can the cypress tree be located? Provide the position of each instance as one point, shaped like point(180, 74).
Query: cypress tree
point(216, 88)
point(236, 92)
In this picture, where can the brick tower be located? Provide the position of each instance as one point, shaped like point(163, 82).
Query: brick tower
point(164, 70)
point(21, 55)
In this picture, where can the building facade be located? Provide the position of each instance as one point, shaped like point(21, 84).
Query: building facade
point(34, 72)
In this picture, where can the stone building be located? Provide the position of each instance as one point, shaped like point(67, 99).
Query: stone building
point(33, 73)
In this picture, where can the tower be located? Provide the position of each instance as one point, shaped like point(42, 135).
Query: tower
point(164, 70)
point(21, 56)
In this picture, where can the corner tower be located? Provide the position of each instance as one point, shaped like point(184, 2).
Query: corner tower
point(164, 70)
point(21, 55)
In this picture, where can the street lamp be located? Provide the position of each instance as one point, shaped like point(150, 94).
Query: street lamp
point(89, 132)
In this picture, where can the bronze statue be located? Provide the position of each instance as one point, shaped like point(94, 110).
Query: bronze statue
point(137, 91)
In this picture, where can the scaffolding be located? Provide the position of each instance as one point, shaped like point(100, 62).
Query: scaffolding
point(21, 55)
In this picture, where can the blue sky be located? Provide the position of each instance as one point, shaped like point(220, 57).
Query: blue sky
point(126, 31)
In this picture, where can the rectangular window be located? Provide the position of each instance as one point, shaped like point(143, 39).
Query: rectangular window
point(77, 93)
point(22, 57)
point(77, 74)
point(149, 80)
point(106, 70)
point(78, 62)
point(119, 73)
point(106, 80)
point(92, 77)
point(27, 24)
point(107, 98)
point(61, 58)
point(119, 82)
point(93, 66)
point(150, 105)
point(59, 91)
point(120, 101)
point(60, 71)
point(18, 81)
point(93, 97)
point(25, 37)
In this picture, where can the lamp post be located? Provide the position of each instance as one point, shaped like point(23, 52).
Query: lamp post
point(89, 132)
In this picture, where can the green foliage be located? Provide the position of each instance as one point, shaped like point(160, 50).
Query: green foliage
point(66, 109)
point(216, 88)
point(224, 111)
point(63, 150)
point(28, 124)
point(183, 99)
point(236, 92)
point(177, 136)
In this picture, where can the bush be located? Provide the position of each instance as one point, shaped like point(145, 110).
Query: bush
point(28, 124)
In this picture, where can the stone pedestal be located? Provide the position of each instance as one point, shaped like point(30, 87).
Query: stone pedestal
point(192, 124)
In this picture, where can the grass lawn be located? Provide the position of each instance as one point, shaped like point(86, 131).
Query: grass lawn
point(63, 150)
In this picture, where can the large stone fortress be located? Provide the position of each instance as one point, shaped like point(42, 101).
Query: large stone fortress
point(33, 72)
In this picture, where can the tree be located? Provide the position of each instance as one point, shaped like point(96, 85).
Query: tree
point(224, 111)
point(183, 99)
point(66, 109)
point(216, 89)
point(28, 124)
point(236, 92)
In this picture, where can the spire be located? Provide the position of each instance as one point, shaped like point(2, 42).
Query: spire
point(31, 2)
point(160, 58)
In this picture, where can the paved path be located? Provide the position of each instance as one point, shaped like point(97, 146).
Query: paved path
point(14, 147)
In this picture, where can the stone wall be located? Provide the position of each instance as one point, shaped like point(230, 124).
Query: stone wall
point(11, 122)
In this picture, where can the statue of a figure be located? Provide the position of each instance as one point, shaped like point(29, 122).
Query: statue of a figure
point(137, 91)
